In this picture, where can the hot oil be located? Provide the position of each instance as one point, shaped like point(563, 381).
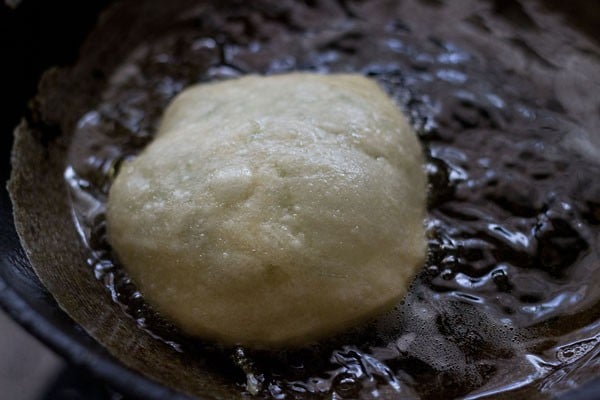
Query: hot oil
point(509, 297)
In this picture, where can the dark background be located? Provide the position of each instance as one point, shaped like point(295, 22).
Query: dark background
point(33, 37)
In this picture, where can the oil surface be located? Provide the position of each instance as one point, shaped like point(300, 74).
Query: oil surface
point(506, 110)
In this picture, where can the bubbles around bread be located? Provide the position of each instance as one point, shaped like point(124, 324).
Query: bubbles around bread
point(271, 211)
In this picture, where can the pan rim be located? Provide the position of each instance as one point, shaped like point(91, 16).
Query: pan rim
point(75, 346)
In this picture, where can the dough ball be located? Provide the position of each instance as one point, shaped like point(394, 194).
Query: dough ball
point(271, 211)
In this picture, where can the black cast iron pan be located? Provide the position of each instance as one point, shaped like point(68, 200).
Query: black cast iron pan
point(36, 36)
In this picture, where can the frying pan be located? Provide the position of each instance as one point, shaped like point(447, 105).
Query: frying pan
point(40, 34)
